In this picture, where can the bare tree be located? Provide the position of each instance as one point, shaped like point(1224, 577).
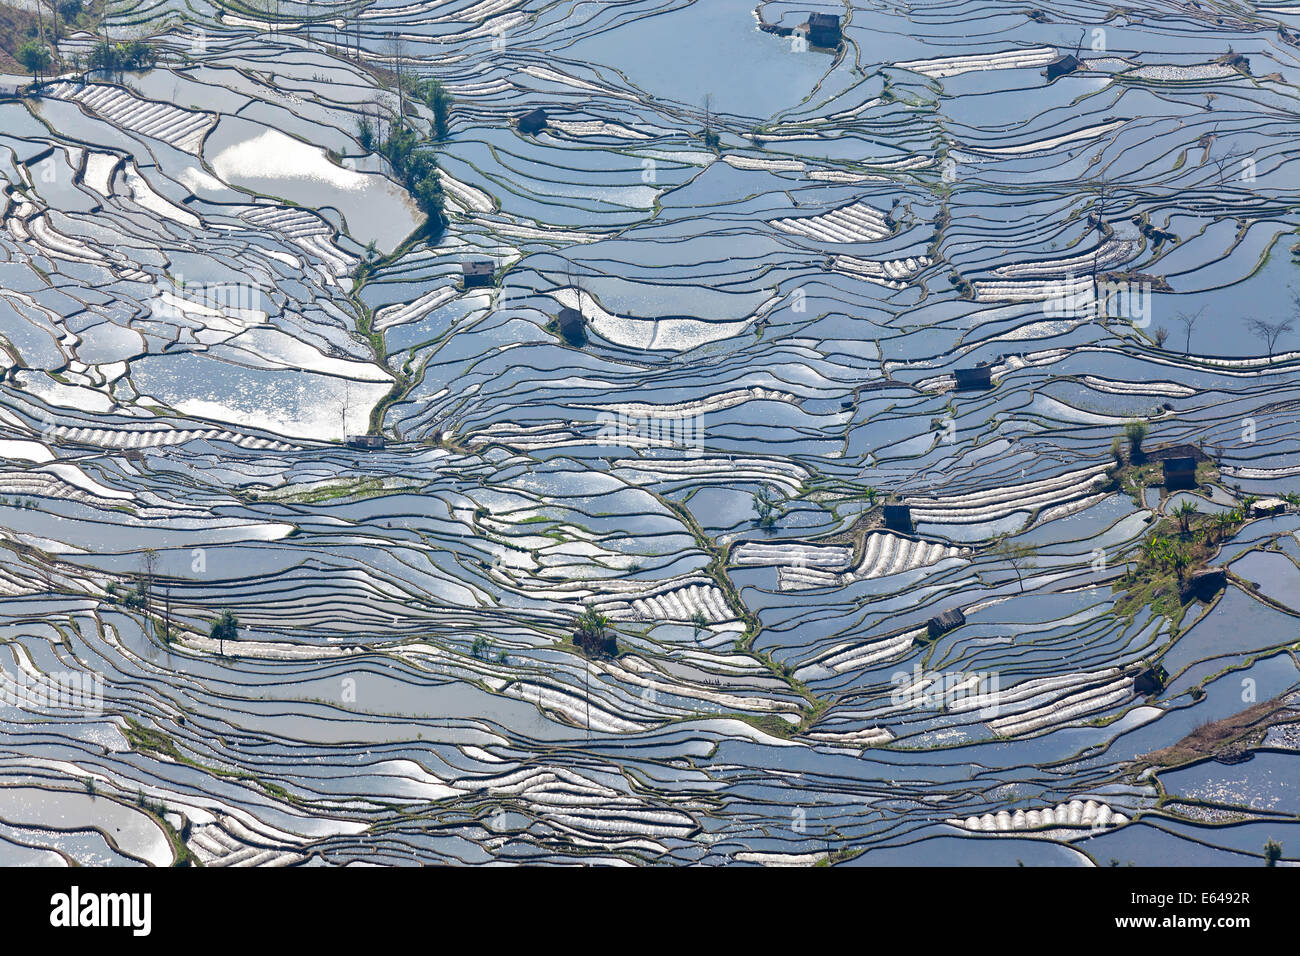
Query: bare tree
point(167, 614)
point(345, 403)
point(1270, 332)
point(149, 565)
point(1189, 322)
point(1019, 556)
point(1233, 155)
point(1101, 187)
point(356, 31)
point(397, 53)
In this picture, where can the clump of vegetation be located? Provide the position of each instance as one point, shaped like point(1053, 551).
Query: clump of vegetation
point(1166, 554)
point(149, 741)
point(133, 597)
point(1272, 853)
point(35, 57)
point(1135, 432)
point(1172, 551)
point(368, 262)
point(765, 505)
point(435, 96)
point(117, 58)
point(224, 628)
point(591, 634)
point(42, 24)
point(709, 134)
point(1232, 734)
point(482, 650)
point(413, 163)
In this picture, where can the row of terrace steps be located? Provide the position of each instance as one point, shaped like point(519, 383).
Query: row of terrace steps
point(135, 438)
point(1086, 701)
point(684, 603)
point(177, 127)
point(981, 506)
point(1076, 813)
point(214, 845)
point(884, 554)
point(855, 223)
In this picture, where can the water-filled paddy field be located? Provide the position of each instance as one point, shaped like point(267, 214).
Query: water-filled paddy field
point(942, 264)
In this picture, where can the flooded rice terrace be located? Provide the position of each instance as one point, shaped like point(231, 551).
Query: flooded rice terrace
point(652, 432)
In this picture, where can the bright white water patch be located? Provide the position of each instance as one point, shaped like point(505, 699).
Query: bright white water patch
point(375, 208)
point(301, 409)
point(668, 334)
point(99, 170)
point(273, 155)
point(24, 451)
point(863, 235)
point(196, 180)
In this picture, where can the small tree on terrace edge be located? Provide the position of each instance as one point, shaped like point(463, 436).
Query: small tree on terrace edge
point(1272, 853)
point(1019, 556)
point(35, 56)
point(437, 98)
point(1269, 332)
point(225, 628)
point(592, 633)
point(1135, 432)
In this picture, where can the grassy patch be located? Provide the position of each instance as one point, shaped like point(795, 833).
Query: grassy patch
point(1235, 732)
point(769, 724)
point(352, 488)
point(145, 740)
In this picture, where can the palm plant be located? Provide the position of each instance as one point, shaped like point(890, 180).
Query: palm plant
point(1180, 559)
point(592, 622)
point(592, 633)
